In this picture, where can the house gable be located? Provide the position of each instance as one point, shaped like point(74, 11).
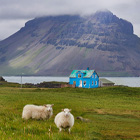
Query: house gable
point(85, 73)
point(80, 74)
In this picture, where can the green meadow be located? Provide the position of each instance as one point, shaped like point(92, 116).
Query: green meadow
point(113, 113)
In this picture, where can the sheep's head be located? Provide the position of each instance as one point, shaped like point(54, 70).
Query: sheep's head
point(66, 111)
point(49, 107)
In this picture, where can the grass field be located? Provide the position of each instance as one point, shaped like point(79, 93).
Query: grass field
point(114, 113)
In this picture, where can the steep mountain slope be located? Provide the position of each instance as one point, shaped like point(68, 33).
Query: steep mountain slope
point(56, 45)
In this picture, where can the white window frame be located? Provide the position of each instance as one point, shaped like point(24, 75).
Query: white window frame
point(84, 83)
point(95, 82)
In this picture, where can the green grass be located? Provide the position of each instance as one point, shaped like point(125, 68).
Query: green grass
point(114, 113)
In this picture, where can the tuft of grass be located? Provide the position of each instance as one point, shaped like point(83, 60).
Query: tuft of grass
point(114, 113)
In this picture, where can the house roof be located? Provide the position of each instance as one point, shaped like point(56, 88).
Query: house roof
point(87, 73)
point(106, 81)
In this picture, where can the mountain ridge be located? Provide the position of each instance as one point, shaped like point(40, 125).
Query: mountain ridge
point(55, 45)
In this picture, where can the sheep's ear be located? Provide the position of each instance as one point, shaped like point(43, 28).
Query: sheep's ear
point(62, 109)
point(70, 110)
point(52, 104)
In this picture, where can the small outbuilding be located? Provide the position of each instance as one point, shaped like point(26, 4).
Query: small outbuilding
point(84, 78)
point(105, 82)
point(1, 78)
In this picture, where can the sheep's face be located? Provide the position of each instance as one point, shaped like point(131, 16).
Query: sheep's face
point(66, 111)
point(49, 107)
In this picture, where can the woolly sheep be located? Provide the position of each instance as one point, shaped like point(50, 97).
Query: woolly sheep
point(37, 112)
point(64, 119)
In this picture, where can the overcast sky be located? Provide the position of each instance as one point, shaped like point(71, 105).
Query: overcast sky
point(14, 13)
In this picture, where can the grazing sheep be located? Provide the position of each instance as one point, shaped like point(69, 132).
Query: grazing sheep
point(64, 119)
point(37, 112)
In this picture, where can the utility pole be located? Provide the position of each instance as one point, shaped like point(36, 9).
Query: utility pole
point(21, 79)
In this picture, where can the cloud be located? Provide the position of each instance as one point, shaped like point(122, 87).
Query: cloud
point(21, 11)
point(9, 27)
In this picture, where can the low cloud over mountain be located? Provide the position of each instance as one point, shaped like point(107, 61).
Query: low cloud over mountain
point(55, 45)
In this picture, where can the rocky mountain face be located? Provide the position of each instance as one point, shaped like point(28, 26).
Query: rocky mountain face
point(55, 45)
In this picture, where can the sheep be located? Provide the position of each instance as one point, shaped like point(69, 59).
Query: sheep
point(64, 119)
point(37, 112)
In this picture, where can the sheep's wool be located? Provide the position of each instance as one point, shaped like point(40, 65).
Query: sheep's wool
point(62, 121)
point(36, 112)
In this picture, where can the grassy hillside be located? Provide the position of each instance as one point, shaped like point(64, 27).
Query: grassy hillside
point(114, 113)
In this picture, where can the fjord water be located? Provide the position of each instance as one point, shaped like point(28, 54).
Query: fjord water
point(34, 79)
point(125, 81)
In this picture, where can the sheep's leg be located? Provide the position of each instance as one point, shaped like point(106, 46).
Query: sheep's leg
point(60, 129)
point(69, 130)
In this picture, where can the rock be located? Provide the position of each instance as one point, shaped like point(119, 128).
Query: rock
point(83, 119)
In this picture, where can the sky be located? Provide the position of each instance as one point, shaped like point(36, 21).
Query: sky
point(15, 13)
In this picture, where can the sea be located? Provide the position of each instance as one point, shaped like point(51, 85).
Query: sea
point(125, 81)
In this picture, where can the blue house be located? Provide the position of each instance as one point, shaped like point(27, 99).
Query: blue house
point(84, 78)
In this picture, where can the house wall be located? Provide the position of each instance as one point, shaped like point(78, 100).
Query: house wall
point(94, 80)
point(72, 80)
point(90, 82)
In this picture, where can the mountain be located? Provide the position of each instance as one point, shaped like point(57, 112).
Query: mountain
point(55, 45)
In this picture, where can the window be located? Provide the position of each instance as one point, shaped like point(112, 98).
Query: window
point(92, 82)
point(79, 75)
point(80, 83)
point(84, 83)
point(95, 82)
point(95, 76)
point(92, 76)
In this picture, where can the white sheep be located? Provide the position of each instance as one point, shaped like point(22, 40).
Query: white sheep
point(37, 112)
point(64, 119)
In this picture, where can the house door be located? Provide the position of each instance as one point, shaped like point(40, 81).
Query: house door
point(74, 83)
point(80, 83)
